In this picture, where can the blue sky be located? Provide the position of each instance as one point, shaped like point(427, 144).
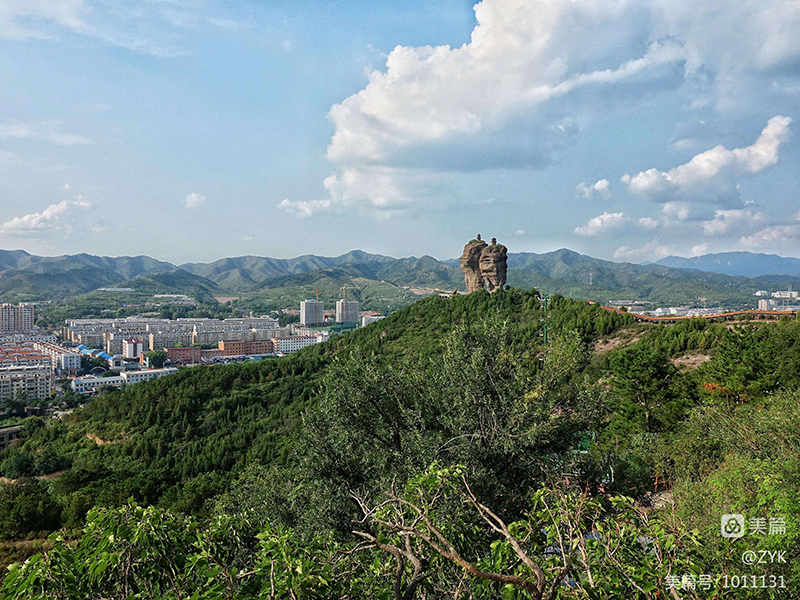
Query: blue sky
point(191, 130)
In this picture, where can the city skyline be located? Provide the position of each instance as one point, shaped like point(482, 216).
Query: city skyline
point(191, 131)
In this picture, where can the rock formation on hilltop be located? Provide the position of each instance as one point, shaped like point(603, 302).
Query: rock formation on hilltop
point(484, 265)
point(470, 264)
point(494, 265)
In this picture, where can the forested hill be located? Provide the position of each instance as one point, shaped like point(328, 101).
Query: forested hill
point(442, 452)
point(180, 440)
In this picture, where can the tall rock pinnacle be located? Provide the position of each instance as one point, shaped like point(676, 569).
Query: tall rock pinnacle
point(484, 265)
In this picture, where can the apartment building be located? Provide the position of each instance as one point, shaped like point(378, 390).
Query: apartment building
point(346, 311)
point(169, 339)
point(132, 348)
point(64, 361)
point(187, 355)
point(133, 377)
point(90, 384)
point(16, 317)
point(294, 343)
point(8, 435)
point(234, 348)
point(234, 332)
point(212, 334)
point(22, 355)
point(31, 336)
point(268, 334)
point(312, 312)
point(110, 334)
point(35, 380)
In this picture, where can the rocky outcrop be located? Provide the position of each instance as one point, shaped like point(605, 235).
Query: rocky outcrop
point(494, 266)
point(484, 265)
point(470, 264)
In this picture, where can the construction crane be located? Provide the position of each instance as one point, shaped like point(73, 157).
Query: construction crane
point(317, 291)
point(344, 292)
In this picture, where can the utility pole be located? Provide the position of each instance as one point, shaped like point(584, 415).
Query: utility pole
point(545, 298)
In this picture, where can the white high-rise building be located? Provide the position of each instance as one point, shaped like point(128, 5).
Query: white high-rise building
point(312, 312)
point(346, 311)
point(766, 304)
point(132, 348)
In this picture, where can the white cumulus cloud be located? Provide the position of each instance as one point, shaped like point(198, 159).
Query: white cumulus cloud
point(699, 250)
point(677, 211)
point(653, 248)
point(603, 224)
point(776, 235)
point(771, 236)
point(372, 189)
point(712, 176)
point(535, 71)
point(648, 223)
point(304, 208)
point(618, 222)
point(489, 102)
point(601, 187)
point(726, 220)
point(53, 219)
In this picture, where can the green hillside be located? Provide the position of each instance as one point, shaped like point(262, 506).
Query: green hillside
point(445, 448)
point(52, 282)
point(175, 281)
point(288, 291)
point(204, 425)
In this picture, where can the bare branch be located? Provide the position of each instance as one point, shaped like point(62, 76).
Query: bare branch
point(424, 530)
point(497, 524)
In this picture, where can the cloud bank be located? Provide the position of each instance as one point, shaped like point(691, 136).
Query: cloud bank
point(520, 91)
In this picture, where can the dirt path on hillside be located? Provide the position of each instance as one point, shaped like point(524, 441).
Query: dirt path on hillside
point(97, 440)
point(619, 341)
point(690, 361)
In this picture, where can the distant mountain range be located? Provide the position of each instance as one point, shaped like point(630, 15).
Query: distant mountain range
point(26, 276)
point(729, 278)
point(738, 264)
point(248, 273)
